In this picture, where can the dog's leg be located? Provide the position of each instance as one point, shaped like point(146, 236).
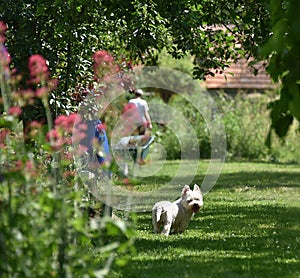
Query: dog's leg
point(155, 222)
point(156, 228)
point(166, 230)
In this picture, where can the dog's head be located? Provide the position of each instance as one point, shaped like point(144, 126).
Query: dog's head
point(192, 199)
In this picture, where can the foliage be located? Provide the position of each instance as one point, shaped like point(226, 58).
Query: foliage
point(184, 65)
point(246, 122)
point(283, 51)
point(214, 33)
point(67, 33)
point(45, 228)
point(248, 227)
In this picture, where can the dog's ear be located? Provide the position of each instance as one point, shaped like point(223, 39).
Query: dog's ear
point(196, 188)
point(185, 189)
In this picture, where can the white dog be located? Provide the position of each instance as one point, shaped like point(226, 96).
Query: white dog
point(174, 217)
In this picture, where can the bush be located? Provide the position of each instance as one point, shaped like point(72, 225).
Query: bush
point(247, 123)
point(44, 229)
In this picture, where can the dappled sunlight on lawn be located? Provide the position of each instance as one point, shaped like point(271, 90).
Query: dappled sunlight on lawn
point(248, 227)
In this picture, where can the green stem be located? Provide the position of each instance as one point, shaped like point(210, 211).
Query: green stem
point(63, 244)
point(62, 231)
point(4, 91)
point(54, 168)
point(48, 114)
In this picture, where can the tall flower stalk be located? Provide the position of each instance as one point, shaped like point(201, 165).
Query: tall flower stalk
point(40, 78)
point(41, 233)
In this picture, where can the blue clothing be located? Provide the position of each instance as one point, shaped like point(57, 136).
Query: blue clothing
point(92, 133)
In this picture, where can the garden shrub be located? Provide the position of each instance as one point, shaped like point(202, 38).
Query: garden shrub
point(246, 121)
point(44, 229)
point(246, 124)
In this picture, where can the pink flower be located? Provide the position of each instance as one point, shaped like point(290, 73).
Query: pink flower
point(126, 181)
point(53, 135)
point(35, 124)
point(53, 83)
point(56, 139)
point(72, 118)
point(64, 126)
point(4, 55)
point(18, 165)
point(67, 140)
point(79, 130)
point(81, 150)
point(42, 92)
point(3, 28)
point(103, 63)
point(69, 174)
point(38, 69)
point(82, 126)
point(78, 136)
point(68, 155)
point(3, 135)
point(15, 111)
point(28, 94)
point(33, 129)
point(4, 58)
point(29, 167)
point(65, 123)
point(102, 56)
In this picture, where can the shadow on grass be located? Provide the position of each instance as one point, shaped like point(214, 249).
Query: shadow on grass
point(222, 241)
point(259, 180)
point(242, 231)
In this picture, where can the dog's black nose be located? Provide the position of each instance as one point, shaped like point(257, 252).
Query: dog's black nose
point(195, 207)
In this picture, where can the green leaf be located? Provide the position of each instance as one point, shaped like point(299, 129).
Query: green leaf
point(294, 103)
point(7, 122)
point(268, 141)
point(282, 125)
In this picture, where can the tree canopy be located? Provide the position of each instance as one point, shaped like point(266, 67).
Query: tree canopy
point(66, 33)
point(282, 51)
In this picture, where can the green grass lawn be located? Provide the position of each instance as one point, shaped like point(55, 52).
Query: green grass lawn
point(249, 227)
